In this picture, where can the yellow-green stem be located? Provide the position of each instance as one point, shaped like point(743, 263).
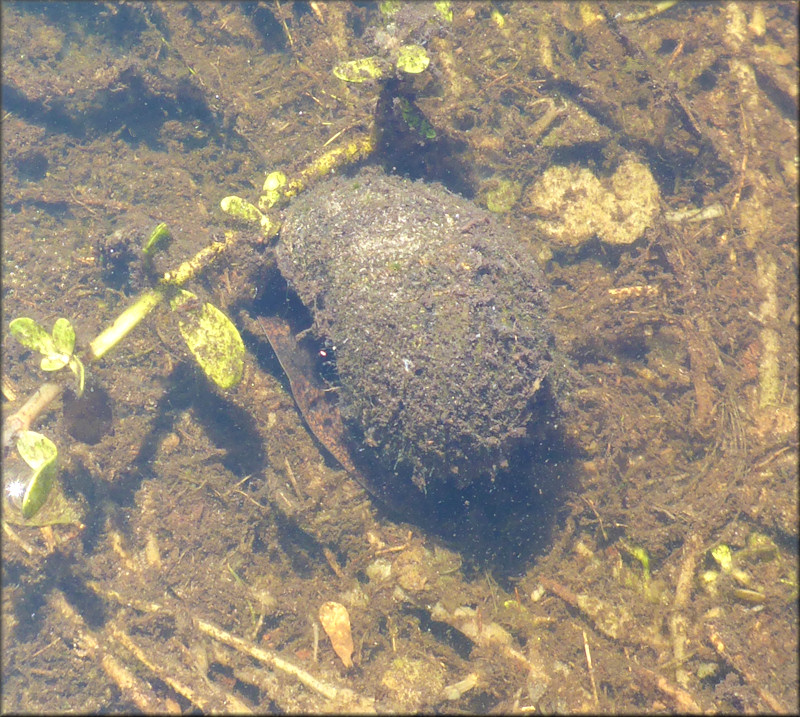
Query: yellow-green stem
point(125, 323)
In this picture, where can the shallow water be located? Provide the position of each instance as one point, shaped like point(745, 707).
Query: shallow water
point(679, 411)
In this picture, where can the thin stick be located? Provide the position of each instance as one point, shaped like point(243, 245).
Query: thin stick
point(591, 668)
point(131, 686)
point(229, 701)
point(683, 700)
point(738, 664)
point(29, 412)
point(338, 694)
point(677, 621)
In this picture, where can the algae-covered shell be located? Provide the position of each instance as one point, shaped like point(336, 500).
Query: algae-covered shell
point(438, 315)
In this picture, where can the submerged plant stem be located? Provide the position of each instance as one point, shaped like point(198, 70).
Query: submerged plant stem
point(30, 411)
point(124, 323)
point(22, 419)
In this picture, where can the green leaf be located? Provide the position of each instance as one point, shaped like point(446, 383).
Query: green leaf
point(213, 340)
point(63, 336)
point(365, 68)
point(273, 190)
point(389, 8)
point(56, 349)
point(58, 510)
point(54, 362)
point(240, 209)
point(445, 10)
point(36, 449)
point(415, 119)
point(30, 334)
point(76, 365)
point(503, 197)
point(412, 59)
point(724, 557)
point(160, 233)
point(40, 453)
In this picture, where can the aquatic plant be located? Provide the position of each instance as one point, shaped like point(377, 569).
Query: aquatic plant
point(210, 336)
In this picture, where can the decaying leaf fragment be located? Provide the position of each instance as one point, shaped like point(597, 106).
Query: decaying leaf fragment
point(336, 623)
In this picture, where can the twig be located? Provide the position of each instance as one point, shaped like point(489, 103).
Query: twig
point(677, 621)
point(285, 26)
point(29, 412)
point(684, 702)
point(591, 668)
point(345, 699)
point(699, 365)
point(292, 479)
point(132, 687)
point(341, 695)
point(19, 542)
point(736, 662)
point(222, 701)
point(315, 634)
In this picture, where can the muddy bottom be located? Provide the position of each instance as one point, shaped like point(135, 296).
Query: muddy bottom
point(646, 560)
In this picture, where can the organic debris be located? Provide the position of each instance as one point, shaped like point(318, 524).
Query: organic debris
point(336, 623)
